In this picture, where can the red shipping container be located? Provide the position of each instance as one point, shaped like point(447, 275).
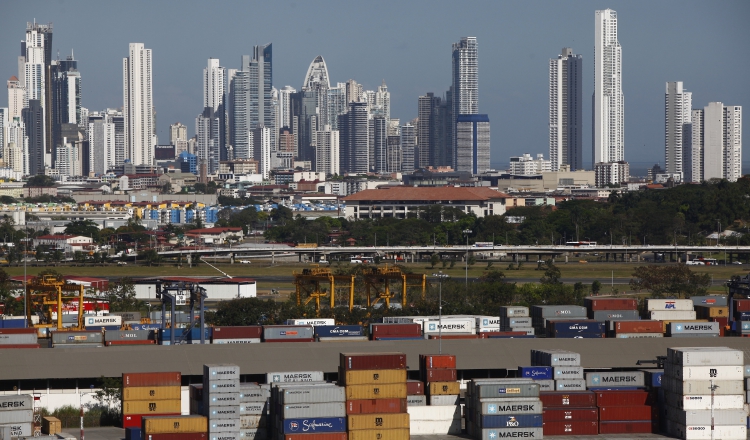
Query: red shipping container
point(243, 332)
point(151, 379)
point(486, 335)
point(611, 304)
point(375, 406)
point(624, 413)
point(133, 342)
point(439, 375)
point(570, 428)
point(742, 305)
point(290, 340)
point(723, 323)
point(17, 331)
point(431, 361)
point(623, 398)
point(134, 420)
point(629, 427)
point(19, 346)
point(415, 388)
point(454, 337)
point(572, 399)
point(372, 361)
point(331, 436)
point(642, 326)
point(386, 330)
point(181, 436)
point(570, 414)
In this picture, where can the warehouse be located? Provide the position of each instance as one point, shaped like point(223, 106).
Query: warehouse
point(217, 288)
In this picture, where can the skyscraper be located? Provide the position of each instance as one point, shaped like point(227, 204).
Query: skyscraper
point(138, 105)
point(327, 151)
point(252, 105)
point(101, 137)
point(378, 144)
point(408, 147)
point(677, 130)
point(208, 129)
point(66, 96)
point(608, 111)
point(214, 93)
point(353, 139)
point(425, 105)
point(473, 143)
point(464, 87)
point(566, 110)
point(16, 98)
point(36, 50)
point(717, 142)
point(33, 119)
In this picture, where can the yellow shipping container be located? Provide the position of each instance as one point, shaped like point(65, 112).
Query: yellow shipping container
point(176, 424)
point(151, 393)
point(376, 391)
point(443, 388)
point(712, 312)
point(51, 425)
point(154, 407)
point(665, 324)
point(377, 422)
point(365, 377)
point(379, 434)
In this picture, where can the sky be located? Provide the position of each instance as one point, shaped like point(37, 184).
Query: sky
point(408, 44)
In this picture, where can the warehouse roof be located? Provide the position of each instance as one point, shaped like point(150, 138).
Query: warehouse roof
point(473, 354)
point(410, 193)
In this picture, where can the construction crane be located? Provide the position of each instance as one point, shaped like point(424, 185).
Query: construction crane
point(309, 282)
point(378, 283)
point(47, 292)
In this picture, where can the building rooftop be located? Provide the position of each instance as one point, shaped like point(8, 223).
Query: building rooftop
point(407, 193)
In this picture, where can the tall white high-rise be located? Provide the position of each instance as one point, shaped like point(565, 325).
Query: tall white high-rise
point(609, 116)
point(138, 105)
point(214, 83)
point(566, 110)
point(101, 144)
point(464, 88)
point(383, 100)
point(717, 142)
point(284, 114)
point(16, 98)
point(677, 116)
point(327, 151)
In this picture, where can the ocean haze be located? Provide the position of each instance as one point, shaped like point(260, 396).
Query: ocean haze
point(407, 44)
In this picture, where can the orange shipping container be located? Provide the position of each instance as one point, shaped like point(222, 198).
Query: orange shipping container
point(444, 389)
point(365, 377)
point(151, 379)
point(151, 393)
point(380, 434)
point(152, 407)
point(711, 311)
point(377, 421)
point(176, 425)
point(376, 391)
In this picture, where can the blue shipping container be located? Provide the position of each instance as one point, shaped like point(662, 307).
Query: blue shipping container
point(12, 323)
point(742, 316)
point(146, 326)
point(99, 328)
point(519, 421)
point(192, 334)
point(332, 331)
point(132, 433)
point(541, 373)
point(314, 426)
point(654, 378)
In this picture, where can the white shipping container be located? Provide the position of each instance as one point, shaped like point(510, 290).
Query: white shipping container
point(523, 405)
point(16, 430)
point(700, 432)
point(295, 376)
point(237, 341)
point(568, 373)
point(492, 322)
point(416, 400)
point(311, 321)
point(638, 335)
point(99, 321)
point(15, 402)
point(434, 412)
point(450, 325)
point(669, 304)
point(678, 386)
point(546, 385)
point(515, 311)
point(448, 400)
point(704, 373)
point(704, 416)
point(672, 315)
point(694, 401)
point(570, 385)
point(434, 427)
point(16, 417)
point(696, 356)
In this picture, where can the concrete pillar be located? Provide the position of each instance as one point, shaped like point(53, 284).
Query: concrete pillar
point(566, 259)
point(273, 257)
point(190, 260)
point(231, 258)
point(607, 257)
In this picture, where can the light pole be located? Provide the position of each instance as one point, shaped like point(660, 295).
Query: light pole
point(467, 232)
point(440, 276)
point(80, 403)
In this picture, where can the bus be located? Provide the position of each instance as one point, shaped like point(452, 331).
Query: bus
point(581, 243)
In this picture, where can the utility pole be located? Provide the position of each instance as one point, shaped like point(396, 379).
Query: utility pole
point(440, 276)
point(467, 232)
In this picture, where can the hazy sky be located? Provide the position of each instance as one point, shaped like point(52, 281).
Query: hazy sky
point(407, 43)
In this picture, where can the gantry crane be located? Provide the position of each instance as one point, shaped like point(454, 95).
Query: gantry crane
point(379, 279)
point(46, 292)
point(308, 282)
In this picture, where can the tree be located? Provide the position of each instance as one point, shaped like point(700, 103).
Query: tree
point(121, 296)
point(434, 260)
point(596, 287)
point(40, 180)
point(676, 280)
point(11, 304)
point(245, 311)
point(86, 228)
point(551, 274)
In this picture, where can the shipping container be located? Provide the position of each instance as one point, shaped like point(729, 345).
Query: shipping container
point(488, 322)
point(362, 377)
point(248, 408)
point(597, 304)
point(17, 331)
point(237, 341)
point(536, 372)
point(282, 332)
point(638, 335)
point(449, 336)
point(414, 387)
point(242, 332)
point(214, 372)
point(133, 434)
point(484, 391)
point(77, 337)
point(653, 377)
point(558, 311)
point(706, 417)
point(18, 429)
point(222, 386)
point(151, 379)
point(443, 388)
point(133, 342)
point(672, 315)
point(314, 426)
point(291, 340)
point(695, 432)
point(638, 326)
point(223, 425)
point(319, 394)
point(742, 305)
point(254, 421)
point(377, 421)
point(669, 305)
point(571, 428)
point(619, 379)
point(705, 373)
point(375, 406)
point(555, 358)
point(372, 361)
point(613, 315)
point(311, 322)
point(220, 399)
point(645, 426)
point(693, 401)
point(515, 322)
point(294, 376)
point(702, 328)
point(432, 361)
point(567, 373)
point(184, 436)
point(575, 328)
point(711, 311)
point(395, 330)
point(510, 406)
point(545, 385)
point(17, 416)
point(100, 321)
point(579, 399)
point(151, 393)
point(510, 421)
point(375, 434)
point(570, 414)
point(570, 385)
point(223, 412)
point(376, 391)
point(16, 402)
point(151, 406)
point(719, 387)
point(620, 413)
point(439, 375)
point(446, 400)
point(334, 331)
point(135, 420)
point(514, 311)
point(174, 425)
point(18, 339)
point(709, 300)
point(309, 410)
point(450, 326)
point(416, 400)
point(497, 433)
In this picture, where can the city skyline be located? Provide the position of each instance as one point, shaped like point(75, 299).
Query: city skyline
point(519, 113)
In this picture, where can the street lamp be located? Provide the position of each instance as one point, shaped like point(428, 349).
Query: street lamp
point(440, 276)
point(467, 232)
point(80, 403)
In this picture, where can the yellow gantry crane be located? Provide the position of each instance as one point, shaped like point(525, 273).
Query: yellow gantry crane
point(47, 292)
point(309, 282)
point(378, 281)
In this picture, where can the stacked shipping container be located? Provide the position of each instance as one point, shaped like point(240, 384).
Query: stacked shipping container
point(221, 401)
point(16, 416)
point(150, 394)
point(516, 319)
point(18, 338)
point(443, 415)
point(541, 314)
point(250, 334)
point(626, 411)
point(255, 401)
point(171, 428)
point(566, 368)
point(309, 411)
point(503, 408)
point(570, 413)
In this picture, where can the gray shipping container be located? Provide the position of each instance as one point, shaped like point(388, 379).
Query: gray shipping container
point(322, 394)
point(254, 395)
point(552, 312)
point(307, 410)
point(621, 379)
point(507, 390)
point(570, 385)
point(705, 356)
point(703, 417)
point(515, 322)
point(223, 412)
point(288, 332)
point(221, 399)
point(450, 400)
point(16, 430)
point(221, 386)
point(701, 387)
point(63, 337)
point(220, 436)
point(25, 338)
point(709, 300)
point(128, 316)
point(510, 406)
point(516, 311)
point(253, 421)
point(703, 328)
point(253, 434)
point(613, 315)
point(129, 335)
point(567, 373)
point(497, 433)
point(253, 408)
point(16, 402)
point(555, 358)
point(224, 425)
point(295, 376)
point(214, 372)
point(546, 385)
point(416, 400)
point(747, 370)
point(16, 417)
point(638, 335)
point(694, 335)
point(91, 345)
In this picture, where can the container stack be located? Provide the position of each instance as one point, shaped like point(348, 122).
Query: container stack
point(503, 408)
point(714, 313)
point(541, 375)
point(16, 416)
point(704, 393)
point(626, 411)
point(150, 394)
point(611, 309)
point(570, 413)
point(339, 333)
point(667, 310)
point(415, 395)
point(129, 337)
point(77, 339)
point(449, 327)
point(443, 414)
point(635, 329)
point(487, 324)
point(516, 319)
point(309, 410)
point(566, 368)
point(395, 331)
point(677, 329)
point(742, 317)
point(574, 328)
point(288, 333)
point(653, 379)
point(314, 322)
point(541, 314)
point(196, 399)
point(18, 338)
point(174, 428)
point(249, 334)
point(184, 335)
point(221, 401)
point(375, 387)
point(255, 402)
